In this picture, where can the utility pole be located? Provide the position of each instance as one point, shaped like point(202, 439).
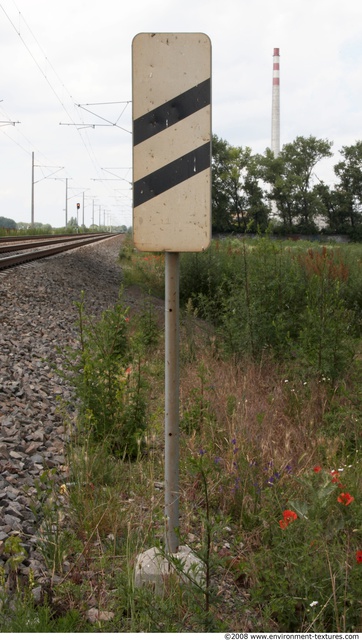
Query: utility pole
point(66, 202)
point(66, 198)
point(32, 189)
point(33, 181)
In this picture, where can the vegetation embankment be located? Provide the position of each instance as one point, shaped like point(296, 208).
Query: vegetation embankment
point(270, 472)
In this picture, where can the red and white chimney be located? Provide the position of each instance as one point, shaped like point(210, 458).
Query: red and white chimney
point(275, 132)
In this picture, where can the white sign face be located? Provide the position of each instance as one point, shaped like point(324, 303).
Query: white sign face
point(171, 141)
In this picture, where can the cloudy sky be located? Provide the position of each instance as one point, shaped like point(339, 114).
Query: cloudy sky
point(58, 54)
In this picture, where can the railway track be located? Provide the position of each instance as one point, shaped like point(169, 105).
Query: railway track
point(20, 250)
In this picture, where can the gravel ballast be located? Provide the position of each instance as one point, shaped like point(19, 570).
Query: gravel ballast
point(37, 318)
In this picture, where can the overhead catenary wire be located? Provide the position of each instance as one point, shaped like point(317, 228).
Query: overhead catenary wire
point(49, 83)
point(83, 134)
point(35, 60)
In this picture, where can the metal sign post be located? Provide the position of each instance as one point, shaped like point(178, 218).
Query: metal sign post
point(172, 383)
point(171, 192)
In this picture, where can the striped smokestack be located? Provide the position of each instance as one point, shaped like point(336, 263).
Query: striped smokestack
point(275, 134)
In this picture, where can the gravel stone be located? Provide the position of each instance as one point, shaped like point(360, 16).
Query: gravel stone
point(38, 322)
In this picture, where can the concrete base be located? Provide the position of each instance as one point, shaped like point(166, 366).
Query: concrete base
point(152, 567)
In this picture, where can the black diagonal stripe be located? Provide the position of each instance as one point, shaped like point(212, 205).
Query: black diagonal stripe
point(171, 112)
point(172, 174)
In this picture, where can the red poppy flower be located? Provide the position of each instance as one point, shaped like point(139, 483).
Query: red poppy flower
point(359, 556)
point(345, 498)
point(335, 476)
point(288, 517)
point(317, 469)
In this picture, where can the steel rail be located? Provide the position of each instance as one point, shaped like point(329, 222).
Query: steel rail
point(33, 244)
point(24, 238)
point(13, 261)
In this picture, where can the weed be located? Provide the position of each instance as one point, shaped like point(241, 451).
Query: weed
point(148, 332)
point(15, 552)
point(108, 385)
point(198, 409)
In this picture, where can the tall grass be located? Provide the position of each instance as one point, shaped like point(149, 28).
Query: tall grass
point(297, 303)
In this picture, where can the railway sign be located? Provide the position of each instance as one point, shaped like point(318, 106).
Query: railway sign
point(171, 141)
point(171, 193)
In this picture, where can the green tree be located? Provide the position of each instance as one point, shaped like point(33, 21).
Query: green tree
point(72, 225)
point(290, 176)
point(255, 196)
point(221, 214)
point(332, 208)
point(7, 223)
point(349, 188)
point(238, 197)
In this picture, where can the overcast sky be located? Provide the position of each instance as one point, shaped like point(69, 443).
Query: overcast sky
point(58, 54)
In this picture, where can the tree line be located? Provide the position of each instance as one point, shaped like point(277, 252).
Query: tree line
point(7, 224)
point(252, 192)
